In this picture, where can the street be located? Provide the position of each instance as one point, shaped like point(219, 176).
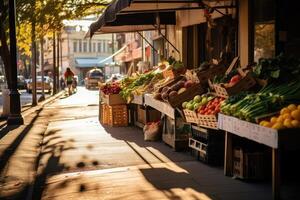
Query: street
point(25, 98)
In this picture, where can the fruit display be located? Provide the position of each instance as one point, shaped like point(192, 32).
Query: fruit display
point(205, 104)
point(173, 90)
point(110, 88)
point(288, 117)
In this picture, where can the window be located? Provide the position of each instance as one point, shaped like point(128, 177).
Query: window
point(90, 46)
point(263, 29)
point(104, 46)
point(75, 46)
point(94, 47)
point(84, 46)
point(80, 45)
point(99, 46)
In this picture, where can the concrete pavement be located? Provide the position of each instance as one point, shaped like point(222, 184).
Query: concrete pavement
point(78, 158)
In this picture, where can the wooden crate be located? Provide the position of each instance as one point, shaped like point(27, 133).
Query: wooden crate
point(186, 95)
point(112, 99)
point(244, 84)
point(117, 115)
point(248, 165)
point(209, 121)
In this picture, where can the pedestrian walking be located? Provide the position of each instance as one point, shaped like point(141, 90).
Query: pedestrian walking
point(69, 77)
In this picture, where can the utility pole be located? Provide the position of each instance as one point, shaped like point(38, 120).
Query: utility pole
point(14, 117)
point(54, 64)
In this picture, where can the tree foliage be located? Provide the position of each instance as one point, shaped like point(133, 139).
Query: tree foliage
point(48, 16)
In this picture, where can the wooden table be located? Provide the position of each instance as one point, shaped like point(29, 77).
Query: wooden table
point(289, 138)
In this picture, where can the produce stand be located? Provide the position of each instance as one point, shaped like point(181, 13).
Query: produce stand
point(136, 111)
point(288, 138)
point(172, 135)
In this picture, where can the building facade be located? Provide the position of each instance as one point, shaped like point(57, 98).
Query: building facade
point(77, 52)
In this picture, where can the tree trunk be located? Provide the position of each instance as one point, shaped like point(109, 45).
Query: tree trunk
point(4, 53)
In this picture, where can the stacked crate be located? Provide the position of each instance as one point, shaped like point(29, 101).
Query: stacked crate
point(113, 110)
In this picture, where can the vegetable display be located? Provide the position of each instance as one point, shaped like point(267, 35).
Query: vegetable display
point(270, 99)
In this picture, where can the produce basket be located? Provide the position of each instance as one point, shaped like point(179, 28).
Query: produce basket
point(104, 114)
point(209, 73)
point(112, 99)
point(188, 94)
point(246, 82)
point(209, 121)
point(117, 115)
point(190, 116)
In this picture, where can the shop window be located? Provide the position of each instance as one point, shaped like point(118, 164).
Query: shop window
point(80, 45)
point(84, 46)
point(104, 46)
point(159, 46)
point(99, 46)
point(90, 46)
point(264, 29)
point(75, 46)
point(94, 47)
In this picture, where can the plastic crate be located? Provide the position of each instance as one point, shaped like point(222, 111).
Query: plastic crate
point(207, 145)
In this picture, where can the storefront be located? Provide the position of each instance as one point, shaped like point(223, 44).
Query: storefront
point(217, 101)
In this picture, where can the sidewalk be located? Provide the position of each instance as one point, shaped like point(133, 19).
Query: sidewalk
point(80, 159)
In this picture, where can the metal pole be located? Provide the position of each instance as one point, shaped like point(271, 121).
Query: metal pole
point(147, 41)
point(113, 46)
point(14, 117)
point(54, 64)
point(42, 67)
point(57, 67)
point(33, 63)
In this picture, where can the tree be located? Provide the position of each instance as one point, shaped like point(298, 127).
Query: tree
point(47, 15)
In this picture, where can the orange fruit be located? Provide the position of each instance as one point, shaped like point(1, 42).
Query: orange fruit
point(273, 120)
point(292, 107)
point(296, 114)
point(284, 110)
point(295, 123)
point(288, 123)
point(280, 119)
point(278, 126)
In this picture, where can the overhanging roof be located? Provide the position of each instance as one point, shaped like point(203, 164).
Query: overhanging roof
point(89, 62)
point(139, 15)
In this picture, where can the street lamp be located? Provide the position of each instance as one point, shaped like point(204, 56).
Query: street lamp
point(14, 117)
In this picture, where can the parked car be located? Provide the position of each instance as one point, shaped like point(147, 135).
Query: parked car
point(48, 84)
point(92, 78)
point(21, 83)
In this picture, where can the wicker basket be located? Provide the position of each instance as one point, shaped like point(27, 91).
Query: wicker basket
point(118, 115)
point(209, 121)
point(190, 116)
point(244, 84)
point(104, 114)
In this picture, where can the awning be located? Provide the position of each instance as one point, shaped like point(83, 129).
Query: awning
point(138, 15)
point(89, 62)
point(109, 59)
point(123, 22)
